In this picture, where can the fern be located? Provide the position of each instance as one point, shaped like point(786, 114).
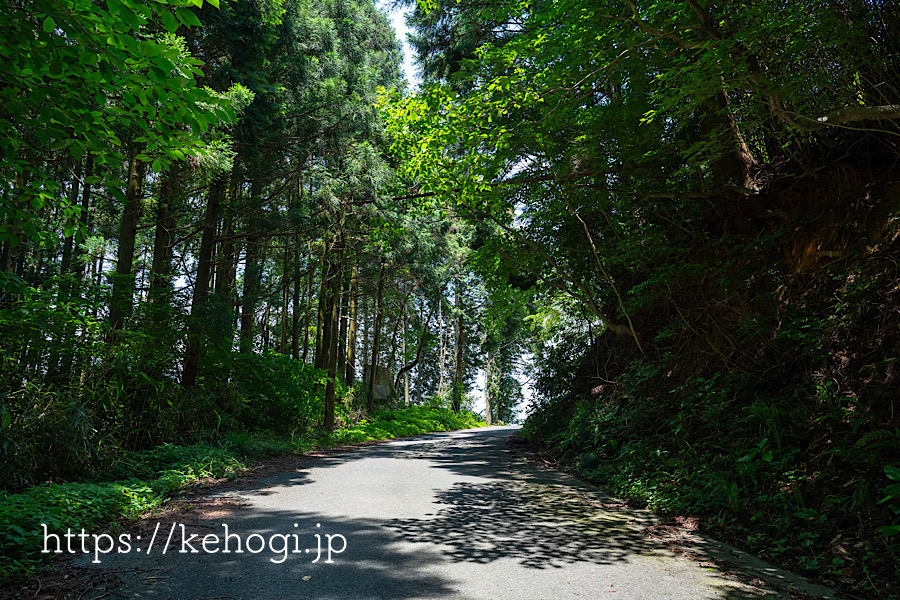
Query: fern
point(881, 436)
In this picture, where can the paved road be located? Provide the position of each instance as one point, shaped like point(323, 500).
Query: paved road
point(449, 515)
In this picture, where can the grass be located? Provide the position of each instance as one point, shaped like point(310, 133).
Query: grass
point(140, 481)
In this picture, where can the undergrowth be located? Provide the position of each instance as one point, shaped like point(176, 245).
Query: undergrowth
point(765, 479)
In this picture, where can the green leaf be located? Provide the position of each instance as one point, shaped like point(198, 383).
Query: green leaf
point(49, 24)
point(170, 22)
point(214, 3)
point(187, 16)
point(892, 472)
point(889, 530)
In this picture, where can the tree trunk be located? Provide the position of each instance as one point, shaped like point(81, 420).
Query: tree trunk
point(319, 356)
point(201, 286)
point(295, 308)
point(441, 353)
point(120, 303)
point(78, 264)
point(376, 340)
point(488, 411)
point(330, 329)
point(285, 293)
point(350, 377)
point(460, 342)
point(65, 268)
point(342, 329)
point(225, 265)
point(308, 309)
point(406, 374)
point(734, 168)
point(252, 272)
point(160, 270)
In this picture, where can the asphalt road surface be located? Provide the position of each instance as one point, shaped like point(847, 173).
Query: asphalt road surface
point(446, 515)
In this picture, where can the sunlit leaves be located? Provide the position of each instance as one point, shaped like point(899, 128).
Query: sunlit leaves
point(75, 76)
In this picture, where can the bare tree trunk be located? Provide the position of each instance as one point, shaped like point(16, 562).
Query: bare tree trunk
point(195, 333)
point(69, 243)
point(405, 375)
point(251, 286)
point(376, 339)
point(120, 303)
point(318, 357)
point(285, 292)
point(460, 342)
point(488, 410)
point(351, 326)
point(330, 329)
point(295, 309)
point(160, 269)
point(342, 333)
point(308, 310)
point(441, 357)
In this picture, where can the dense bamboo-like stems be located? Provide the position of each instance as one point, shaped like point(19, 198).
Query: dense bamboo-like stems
point(120, 302)
point(376, 339)
point(350, 377)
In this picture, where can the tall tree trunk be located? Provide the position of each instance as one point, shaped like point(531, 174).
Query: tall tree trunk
point(442, 353)
point(78, 263)
point(225, 266)
point(331, 326)
point(406, 374)
point(65, 268)
point(295, 308)
point(488, 379)
point(319, 356)
point(376, 340)
point(308, 309)
point(350, 377)
point(120, 303)
point(342, 329)
point(285, 293)
point(734, 168)
point(460, 343)
point(196, 331)
point(252, 273)
point(161, 267)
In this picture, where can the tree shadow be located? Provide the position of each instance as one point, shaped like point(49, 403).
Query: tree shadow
point(500, 510)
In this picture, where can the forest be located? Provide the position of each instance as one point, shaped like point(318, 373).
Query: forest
point(235, 225)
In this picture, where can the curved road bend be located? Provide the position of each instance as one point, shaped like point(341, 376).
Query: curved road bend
point(446, 515)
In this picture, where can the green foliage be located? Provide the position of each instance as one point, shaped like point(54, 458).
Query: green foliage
point(76, 75)
point(269, 391)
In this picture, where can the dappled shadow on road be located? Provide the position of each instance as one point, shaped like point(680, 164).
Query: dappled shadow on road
point(370, 568)
point(539, 526)
point(502, 507)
